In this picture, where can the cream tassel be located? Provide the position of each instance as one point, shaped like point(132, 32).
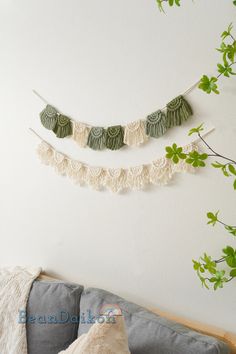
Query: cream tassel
point(60, 163)
point(81, 133)
point(137, 177)
point(160, 171)
point(135, 133)
point(45, 153)
point(116, 179)
point(77, 171)
point(95, 177)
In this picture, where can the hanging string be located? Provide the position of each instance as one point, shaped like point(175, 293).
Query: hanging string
point(184, 94)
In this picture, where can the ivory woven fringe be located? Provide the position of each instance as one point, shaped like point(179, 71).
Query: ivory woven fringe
point(158, 172)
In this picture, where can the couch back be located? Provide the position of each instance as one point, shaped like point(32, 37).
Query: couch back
point(58, 312)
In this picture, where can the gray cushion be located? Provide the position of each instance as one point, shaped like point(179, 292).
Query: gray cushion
point(60, 301)
point(148, 333)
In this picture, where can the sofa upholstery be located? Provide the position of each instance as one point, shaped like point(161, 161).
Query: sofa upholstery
point(52, 302)
point(148, 333)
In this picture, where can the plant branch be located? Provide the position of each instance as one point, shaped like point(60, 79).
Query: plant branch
point(216, 154)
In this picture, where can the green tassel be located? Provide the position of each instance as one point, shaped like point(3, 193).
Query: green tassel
point(178, 111)
point(115, 137)
point(97, 138)
point(63, 127)
point(48, 117)
point(156, 124)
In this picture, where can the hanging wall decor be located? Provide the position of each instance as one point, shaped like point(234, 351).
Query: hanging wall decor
point(158, 172)
point(115, 137)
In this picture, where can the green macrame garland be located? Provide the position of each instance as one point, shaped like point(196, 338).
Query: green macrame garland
point(63, 127)
point(97, 138)
point(49, 117)
point(115, 137)
point(178, 111)
point(156, 124)
point(52, 120)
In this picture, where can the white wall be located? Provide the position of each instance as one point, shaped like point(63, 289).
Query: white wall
point(110, 62)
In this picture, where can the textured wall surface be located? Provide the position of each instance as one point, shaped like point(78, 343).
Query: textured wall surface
point(109, 62)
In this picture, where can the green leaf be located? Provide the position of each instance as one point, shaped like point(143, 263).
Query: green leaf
point(235, 184)
point(231, 229)
point(230, 256)
point(175, 153)
point(233, 273)
point(209, 84)
point(213, 218)
point(196, 130)
point(232, 169)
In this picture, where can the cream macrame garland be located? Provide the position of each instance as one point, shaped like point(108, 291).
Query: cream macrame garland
point(158, 172)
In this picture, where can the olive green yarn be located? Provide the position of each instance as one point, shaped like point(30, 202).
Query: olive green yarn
point(63, 127)
point(178, 111)
point(97, 138)
point(115, 137)
point(156, 124)
point(48, 117)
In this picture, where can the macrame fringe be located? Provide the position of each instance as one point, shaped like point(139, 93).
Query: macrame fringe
point(48, 117)
point(63, 127)
point(77, 171)
point(159, 172)
point(97, 138)
point(116, 179)
point(95, 177)
point(134, 133)
point(137, 177)
point(156, 124)
point(115, 137)
point(178, 111)
point(81, 133)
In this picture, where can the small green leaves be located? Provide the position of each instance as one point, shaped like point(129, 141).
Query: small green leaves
point(175, 153)
point(235, 184)
point(170, 3)
point(227, 33)
point(225, 69)
point(231, 229)
point(219, 279)
point(209, 84)
point(196, 130)
point(196, 160)
point(213, 218)
point(234, 2)
point(230, 256)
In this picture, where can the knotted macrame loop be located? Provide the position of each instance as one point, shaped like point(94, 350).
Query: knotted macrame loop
point(137, 177)
point(81, 133)
point(178, 111)
point(156, 124)
point(63, 126)
point(115, 137)
point(48, 117)
point(95, 177)
point(160, 171)
point(77, 171)
point(97, 138)
point(116, 179)
point(134, 133)
point(60, 162)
